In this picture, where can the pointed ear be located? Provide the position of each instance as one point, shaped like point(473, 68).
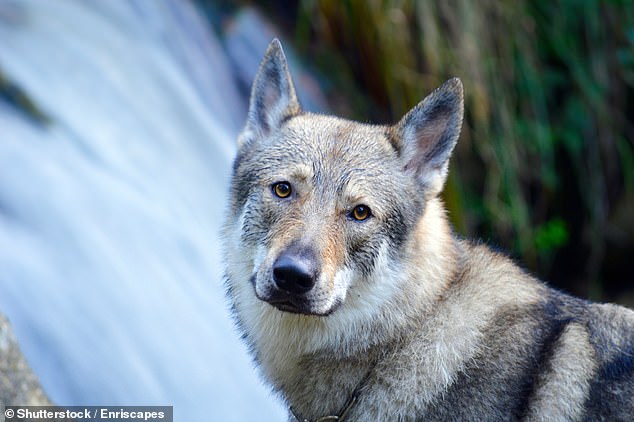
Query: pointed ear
point(427, 134)
point(273, 98)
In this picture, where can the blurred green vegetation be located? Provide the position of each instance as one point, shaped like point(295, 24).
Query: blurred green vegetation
point(545, 164)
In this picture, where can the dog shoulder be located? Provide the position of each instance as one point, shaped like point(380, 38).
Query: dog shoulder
point(611, 330)
point(540, 344)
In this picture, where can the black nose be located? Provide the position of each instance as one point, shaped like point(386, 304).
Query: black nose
point(295, 271)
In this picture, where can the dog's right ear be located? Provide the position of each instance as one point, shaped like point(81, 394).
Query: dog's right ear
point(273, 98)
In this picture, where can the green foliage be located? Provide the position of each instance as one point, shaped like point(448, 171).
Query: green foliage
point(551, 235)
point(547, 146)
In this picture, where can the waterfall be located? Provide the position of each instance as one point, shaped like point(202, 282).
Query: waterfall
point(111, 203)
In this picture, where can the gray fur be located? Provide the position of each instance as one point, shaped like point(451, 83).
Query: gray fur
point(424, 325)
point(428, 133)
point(273, 97)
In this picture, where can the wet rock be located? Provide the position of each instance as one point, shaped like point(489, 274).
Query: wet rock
point(18, 383)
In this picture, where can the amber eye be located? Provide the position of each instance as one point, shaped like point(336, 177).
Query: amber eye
point(282, 189)
point(361, 212)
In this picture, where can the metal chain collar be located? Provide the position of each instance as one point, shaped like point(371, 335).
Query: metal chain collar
point(339, 418)
point(346, 407)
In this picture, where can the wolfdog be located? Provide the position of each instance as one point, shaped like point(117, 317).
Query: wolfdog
point(358, 301)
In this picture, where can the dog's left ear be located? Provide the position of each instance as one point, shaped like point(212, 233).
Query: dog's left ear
point(428, 133)
point(273, 98)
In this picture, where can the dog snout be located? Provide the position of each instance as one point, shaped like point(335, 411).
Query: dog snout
point(295, 271)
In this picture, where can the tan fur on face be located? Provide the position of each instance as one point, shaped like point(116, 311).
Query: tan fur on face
point(331, 254)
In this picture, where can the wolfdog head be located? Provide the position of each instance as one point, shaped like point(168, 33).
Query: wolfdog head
point(324, 209)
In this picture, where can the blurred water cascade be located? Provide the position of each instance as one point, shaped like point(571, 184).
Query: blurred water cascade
point(110, 211)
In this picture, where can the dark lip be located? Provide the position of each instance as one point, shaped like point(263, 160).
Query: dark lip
point(286, 302)
point(301, 308)
point(288, 306)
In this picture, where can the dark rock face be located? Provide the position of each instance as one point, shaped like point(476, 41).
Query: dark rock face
point(18, 384)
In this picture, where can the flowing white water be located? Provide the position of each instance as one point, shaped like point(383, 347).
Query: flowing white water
point(110, 216)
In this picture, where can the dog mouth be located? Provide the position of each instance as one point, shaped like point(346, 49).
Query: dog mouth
point(288, 306)
point(290, 301)
point(294, 304)
point(287, 302)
